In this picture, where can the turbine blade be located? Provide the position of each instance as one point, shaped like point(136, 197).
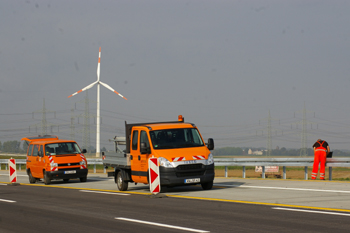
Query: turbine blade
point(85, 88)
point(98, 65)
point(110, 88)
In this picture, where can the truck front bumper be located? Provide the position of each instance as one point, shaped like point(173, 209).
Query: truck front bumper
point(67, 174)
point(192, 173)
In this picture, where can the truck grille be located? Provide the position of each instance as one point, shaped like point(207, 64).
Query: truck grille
point(68, 164)
point(189, 170)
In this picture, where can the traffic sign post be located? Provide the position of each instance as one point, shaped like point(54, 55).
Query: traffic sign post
point(154, 175)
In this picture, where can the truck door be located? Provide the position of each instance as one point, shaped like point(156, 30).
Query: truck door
point(144, 155)
point(41, 162)
point(139, 164)
point(34, 161)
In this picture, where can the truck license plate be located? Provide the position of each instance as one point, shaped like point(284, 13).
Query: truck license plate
point(195, 180)
point(70, 172)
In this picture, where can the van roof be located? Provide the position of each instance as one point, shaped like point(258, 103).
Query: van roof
point(41, 138)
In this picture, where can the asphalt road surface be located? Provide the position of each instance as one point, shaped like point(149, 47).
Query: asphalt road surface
point(234, 205)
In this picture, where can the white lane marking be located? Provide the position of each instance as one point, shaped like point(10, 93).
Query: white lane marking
point(4, 200)
point(161, 225)
point(8, 175)
point(90, 191)
point(311, 211)
point(281, 188)
point(3, 184)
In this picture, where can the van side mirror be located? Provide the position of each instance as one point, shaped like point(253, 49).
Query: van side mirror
point(210, 144)
point(144, 149)
point(84, 151)
point(40, 153)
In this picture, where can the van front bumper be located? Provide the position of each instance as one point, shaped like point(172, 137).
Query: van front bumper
point(190, 173)
point(67, 174)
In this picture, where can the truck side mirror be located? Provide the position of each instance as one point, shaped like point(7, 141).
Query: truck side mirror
point(40, 153)
point(210, 144)
point(145, 149)
point(84, 151)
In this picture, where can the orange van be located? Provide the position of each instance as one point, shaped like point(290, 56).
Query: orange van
point(51, 158)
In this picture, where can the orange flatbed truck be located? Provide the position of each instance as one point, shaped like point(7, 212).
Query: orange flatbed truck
point(184, 158)
point(51, 158)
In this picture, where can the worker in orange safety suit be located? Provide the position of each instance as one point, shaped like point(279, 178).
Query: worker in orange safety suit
point(321, 149)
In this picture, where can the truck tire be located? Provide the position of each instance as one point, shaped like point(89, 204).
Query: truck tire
point(120, 180)
point(207, 186)
point(83, 179)
point(46, 179)
point(32, 180)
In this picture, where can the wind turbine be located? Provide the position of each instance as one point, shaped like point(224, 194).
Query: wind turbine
point(98, 82)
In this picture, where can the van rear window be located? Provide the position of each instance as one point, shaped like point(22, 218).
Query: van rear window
point(62, 148)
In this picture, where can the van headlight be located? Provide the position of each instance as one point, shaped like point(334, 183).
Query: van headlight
point(210, 159)
point(164, 162)
point(82, 162)
point(53, 164)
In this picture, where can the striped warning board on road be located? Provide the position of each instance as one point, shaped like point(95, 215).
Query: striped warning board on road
point(154, 175)
point(13, 173)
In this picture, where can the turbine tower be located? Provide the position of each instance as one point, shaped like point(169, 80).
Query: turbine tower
point(98, 82)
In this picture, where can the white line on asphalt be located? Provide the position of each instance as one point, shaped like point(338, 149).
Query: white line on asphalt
point(8, 175)
point(310, 211)
point(297, 189)
point(3, 184)
point(90, 191)
point(161, 225)
point(4, 200)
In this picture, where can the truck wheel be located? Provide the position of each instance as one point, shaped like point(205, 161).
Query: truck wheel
point(46, 178)
point(207, 186)
point(65, 180)
point(121, 183)
point(32, 180)
point(83, 179)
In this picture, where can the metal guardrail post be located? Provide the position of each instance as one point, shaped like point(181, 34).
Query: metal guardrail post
point(305, 173)
point(225, 171)
point(243, 171)
point(94, 168)
point(263, 172)
point(104, 169)
point(284, 172)
point(330, 173)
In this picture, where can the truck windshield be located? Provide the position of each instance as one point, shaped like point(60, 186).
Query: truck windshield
point(62, 148)
point(175, 138)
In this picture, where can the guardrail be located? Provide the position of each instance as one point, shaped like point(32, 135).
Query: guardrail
point(284, 162)
point(243, 162)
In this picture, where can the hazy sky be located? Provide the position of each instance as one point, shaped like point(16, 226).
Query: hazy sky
point(223, 65)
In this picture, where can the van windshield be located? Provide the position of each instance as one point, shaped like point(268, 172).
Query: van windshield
point(176, 138)
point(62, 148)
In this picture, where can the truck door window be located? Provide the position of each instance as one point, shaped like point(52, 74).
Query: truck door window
point(30, 150)
point(35, 150)
point(144, 138)
point(135, 135)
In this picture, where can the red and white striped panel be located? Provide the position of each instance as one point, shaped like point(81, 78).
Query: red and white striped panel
point(177, 159)
point(52, 161)
point(13, 173)
point(154, 175)
point(198, 157)
point(83, 158)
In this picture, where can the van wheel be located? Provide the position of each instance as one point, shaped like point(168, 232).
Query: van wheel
point(46, 178)
point(65, 180)
point(32, 180)
point(83, 179)
point(207, 186)
point(121, 183)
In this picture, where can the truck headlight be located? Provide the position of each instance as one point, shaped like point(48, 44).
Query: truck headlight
point(164, 162)
point(53, 164)
point(82, 162)
point(210, 159)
